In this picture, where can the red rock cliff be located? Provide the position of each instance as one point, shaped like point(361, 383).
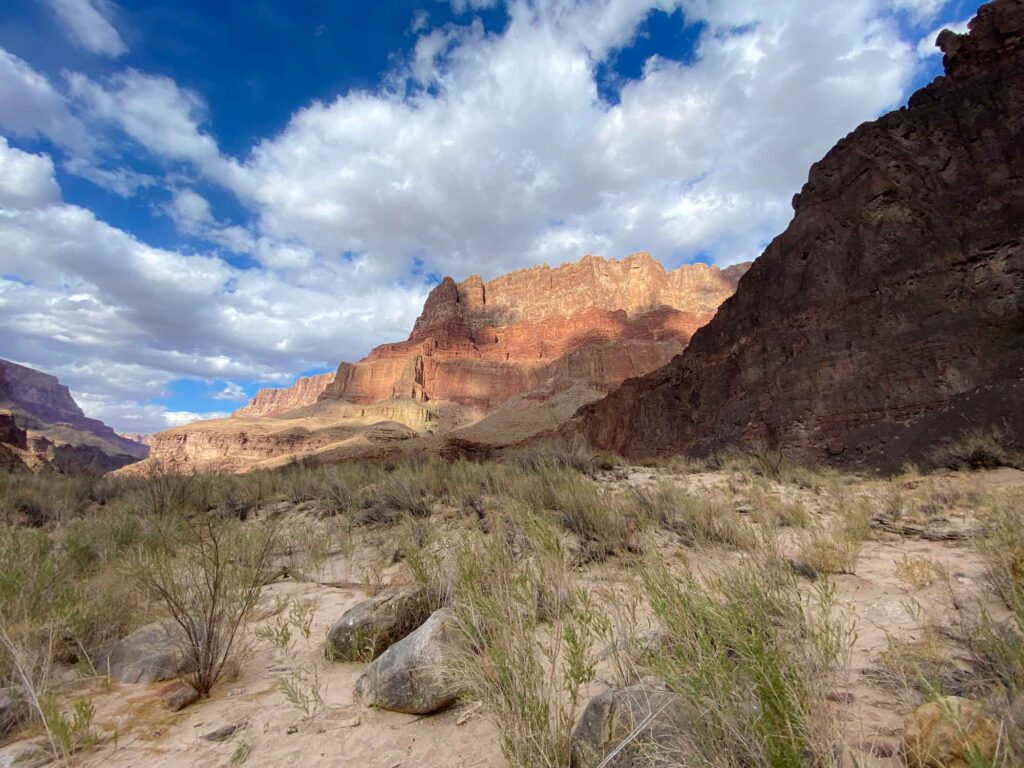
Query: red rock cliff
point(890, 313)
point(594, 321)
point(270, 402)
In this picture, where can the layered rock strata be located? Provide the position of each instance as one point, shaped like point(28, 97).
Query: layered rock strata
point(270, 401)
point(598, 321)
point(890, 313)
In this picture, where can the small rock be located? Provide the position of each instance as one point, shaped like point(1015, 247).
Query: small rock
point(148, 655)
point(181, 698)
point(949, 733)
point(222, 733)
point(611, 717)
point(12, 710)
point(409, 676)
point(368, 629)
point(25, 754)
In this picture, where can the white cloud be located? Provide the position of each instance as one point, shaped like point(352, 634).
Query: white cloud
point(181, 418)
point(153, 111)
point(26, 180)
point(921, 11)
point(232, 392)
point(88, 26)
point(31, 107)
point(190, 211)
point(927, 47)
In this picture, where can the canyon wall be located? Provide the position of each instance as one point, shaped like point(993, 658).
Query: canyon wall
point(58, 430)
point(270, 401)
point(890, 313)
point(541, 329)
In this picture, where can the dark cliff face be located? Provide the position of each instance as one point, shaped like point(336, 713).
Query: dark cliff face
point(889, 313)
point(43, 403)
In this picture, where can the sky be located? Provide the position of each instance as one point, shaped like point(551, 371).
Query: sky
point(198, 199)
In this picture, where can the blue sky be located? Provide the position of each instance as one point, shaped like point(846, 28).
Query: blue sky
point(197, 199)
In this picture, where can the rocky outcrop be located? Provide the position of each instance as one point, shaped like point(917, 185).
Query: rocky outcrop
point(321, 432)
point(597, 321)
point(44, 407)
point(891, 310)
point(270, 401)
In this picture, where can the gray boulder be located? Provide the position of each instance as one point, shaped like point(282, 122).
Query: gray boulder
point(410, 676)
point(368, 629)
point(25, 754)
point(148, 655)
point(12, 710)
point(643, 725)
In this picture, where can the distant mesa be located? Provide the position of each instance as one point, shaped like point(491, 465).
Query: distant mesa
point(42, 426)
point(488, 364)
point(271, 402)
point(889, 316)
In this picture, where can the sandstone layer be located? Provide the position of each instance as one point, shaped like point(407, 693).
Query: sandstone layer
point(890, 313)
point(270, 401)
point(596, 321)
point(488, 363)
point(59, 434)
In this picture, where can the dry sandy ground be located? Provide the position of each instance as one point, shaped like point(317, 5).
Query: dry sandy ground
point(880, 602)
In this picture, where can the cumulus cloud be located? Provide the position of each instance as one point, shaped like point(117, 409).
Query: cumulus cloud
point(31, 107)
point(480, 152)
point(232, 392)
point(86, 23)
point(26, 180)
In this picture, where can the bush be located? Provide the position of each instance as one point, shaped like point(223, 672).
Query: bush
point(208, 578)
point(752, 658)
point(978, 449)
point(528, 676)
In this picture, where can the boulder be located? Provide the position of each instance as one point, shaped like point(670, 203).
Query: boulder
point(950, 732)
point(611, 717)
point(410, 676)
point(368, 629)
point(12, 710)
point(148, 655)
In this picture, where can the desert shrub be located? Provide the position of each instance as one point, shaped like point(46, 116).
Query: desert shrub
point(753, 658)
point(920, 666)
point(978, 449)
point(207, 577)
point(527, 661)
point(697, 520)
point(917, 572)
point(830, 550)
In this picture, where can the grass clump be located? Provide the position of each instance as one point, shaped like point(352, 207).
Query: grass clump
point(753, 657)
point(531, 641)
point(697, 520)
